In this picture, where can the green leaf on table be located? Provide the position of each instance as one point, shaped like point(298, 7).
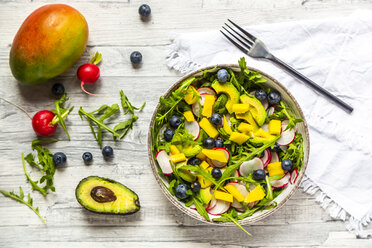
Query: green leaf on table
point(61, 113)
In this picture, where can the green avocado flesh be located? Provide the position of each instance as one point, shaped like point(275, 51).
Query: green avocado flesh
point(257, 109)
point(102, 195)
point(229, 89)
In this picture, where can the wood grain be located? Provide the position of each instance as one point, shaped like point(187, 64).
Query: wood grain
point(116, 30)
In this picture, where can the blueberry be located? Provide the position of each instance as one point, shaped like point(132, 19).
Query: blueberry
point(216, 173)
point(87, 157)
point(168, 134)
point(222, 75)
point(144, 10)
point(219, 143)
point(260, 94)
point(274, 97)
point(181, 191)
point(216, 119)
point(108, 152)
point(58, 89)
point(194, 161)
point(175, 121)
point(287, 165)
point(135, 57)
point(259, 175)
point(59, 159)
point(276, 148)
point(195, 187)
point(208, 142)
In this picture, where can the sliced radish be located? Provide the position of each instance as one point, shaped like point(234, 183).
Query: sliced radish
point(265, 127)
point(266, 158)
point(164, 162)
point(161, 132)
point(248, 167)
point(211, 204)
point(274, 157)
point(206, 90)
point(287, 136)
point(242, 189)
point(294, 175)
point(235, 174)
point(252, 204)
point(219, 164)
point(220, 208)
point(280, 183)
point(196, 108)
point(227, 154)
point(193, 128)
point(265, 104)
point(271, 110)
point(193, 207)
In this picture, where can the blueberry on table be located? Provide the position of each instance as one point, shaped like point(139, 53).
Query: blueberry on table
point(87, 157)
point(276, 148)
point(135, 57)
point(108, 152)
point(195, 187)
point(59, 159)
point(168, 134)
point(260, 94)
point(216, 173)
point(194, 161)
point(181, 191)
point(274, 97)
point(175, 121)
point(287, 165)
point(219, 143)
point(216, 119)
point(58, 89)
point(208, 142)
point(144, 10)
point(259, 175)
point(222, 75)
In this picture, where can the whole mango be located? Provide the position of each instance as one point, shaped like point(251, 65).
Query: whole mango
point(49, 42)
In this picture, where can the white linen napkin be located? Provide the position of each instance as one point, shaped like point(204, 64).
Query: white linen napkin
point(336, 54)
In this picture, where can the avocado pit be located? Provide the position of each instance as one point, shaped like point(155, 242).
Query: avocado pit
point(102, 194)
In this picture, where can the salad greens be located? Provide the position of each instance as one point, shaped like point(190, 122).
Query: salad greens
point(61, 113)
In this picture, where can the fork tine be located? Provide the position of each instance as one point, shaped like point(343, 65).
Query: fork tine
point(241, 36)
point(235, 43)
point(245, 32)
point(238, 39)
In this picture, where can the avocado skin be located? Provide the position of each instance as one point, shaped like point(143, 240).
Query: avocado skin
point(91, 178)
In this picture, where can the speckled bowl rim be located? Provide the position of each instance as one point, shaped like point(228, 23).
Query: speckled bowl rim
point(248, 220)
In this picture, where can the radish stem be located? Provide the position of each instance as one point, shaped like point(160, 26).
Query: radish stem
point(17, 106)
point(83, 89)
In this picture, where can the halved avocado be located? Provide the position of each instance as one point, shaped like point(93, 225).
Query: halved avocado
point(249, 118)
point(261, 140)
point(191, 151)
point(185, 174)
point(229, 89)
point(257, 109)
point(106, 196)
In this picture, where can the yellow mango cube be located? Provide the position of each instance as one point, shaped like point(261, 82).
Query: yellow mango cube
point(204, 165)
point(262, 133)
point(208, 105)
point(174, 150)
point(201, 156)
point(208, 128)
point(275, 127)
point(226, 125)
point(235, 192)
point(275, 169)
point(238, 138)
point(245, 128)
point(220, 195)
point(176, 158)
point(218, 155)
point(240, 108)
point(191, 95)
point(189, 116)
point(256, 194)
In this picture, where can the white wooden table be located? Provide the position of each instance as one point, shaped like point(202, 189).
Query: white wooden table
point(116, 30)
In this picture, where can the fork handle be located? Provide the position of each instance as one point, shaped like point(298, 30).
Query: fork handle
point(312, 84)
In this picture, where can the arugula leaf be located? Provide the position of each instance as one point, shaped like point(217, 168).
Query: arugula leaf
point(200, 208)
point(283, 113)
point(231, 216)
point(127, 106)
point(20, 198)
point(61, 113)
point(295, 151)
point(96, 58)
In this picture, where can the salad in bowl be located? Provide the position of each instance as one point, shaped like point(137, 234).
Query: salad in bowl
point(228, 144)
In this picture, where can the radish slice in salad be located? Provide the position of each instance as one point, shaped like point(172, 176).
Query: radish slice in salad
point(274, 157)
point(161, 132)
point(248, 167)
point(271, 110)
point(265, 104)
point(220, 208)
point(287, 136)
point(206, 91)
point(266, 158)
point(219, 164)
point(164, 162)
point(211, 204)
point(265, 127)
point(195, 107)
point(280, 183)
point(241, 188)
point(193, 207)
point(294, 175)
point(235, 174)
point(193, 128)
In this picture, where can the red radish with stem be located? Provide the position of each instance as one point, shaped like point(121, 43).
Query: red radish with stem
point(89, 73)
point(42, 123)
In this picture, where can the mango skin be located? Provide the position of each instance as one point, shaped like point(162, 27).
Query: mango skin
point(50, 40)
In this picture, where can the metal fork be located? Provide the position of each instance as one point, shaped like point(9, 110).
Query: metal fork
point(255, 48)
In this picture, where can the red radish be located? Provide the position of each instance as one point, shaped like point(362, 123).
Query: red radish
point(211, 204)
point(235, 174)
point(265, 127)
point(206, 90)
point(193, 207)
point(266, 158)
point(274, 157)
point(265, 104)
point(161, 132)
point(294, 175)
point(287, 136)
point(280, 183)
point(220, 208)
point(248, 167)
point(164, 162)
point(271, 110)
point(193, 128)
point(219, 164)
point(195, 107)
point(89, 73)
point(42, 123)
